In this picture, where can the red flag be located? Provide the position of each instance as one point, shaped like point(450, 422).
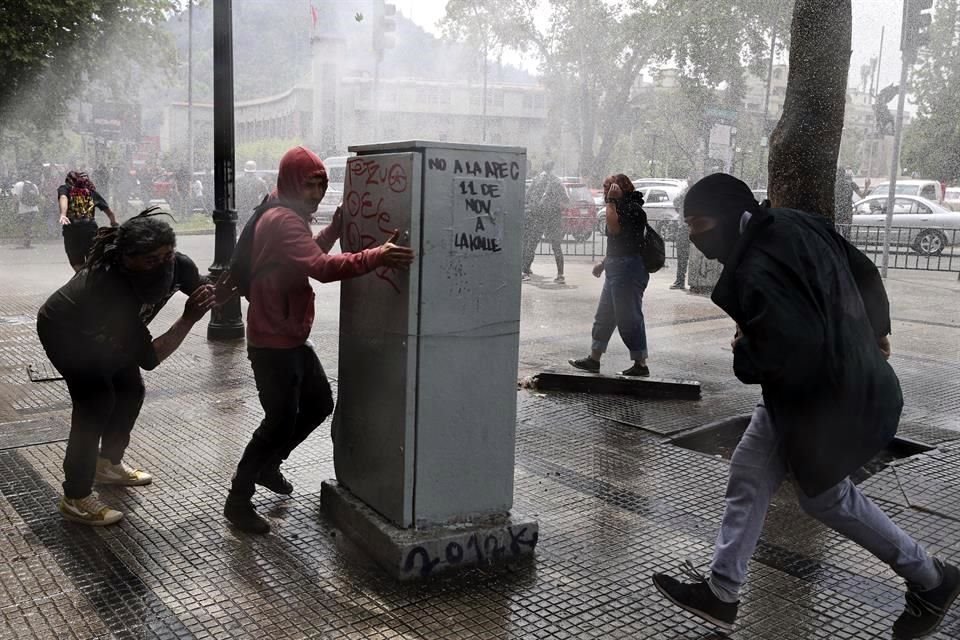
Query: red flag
point(313, 15)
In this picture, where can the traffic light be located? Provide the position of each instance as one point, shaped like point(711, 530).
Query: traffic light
point(384, 24)
point(917, 17)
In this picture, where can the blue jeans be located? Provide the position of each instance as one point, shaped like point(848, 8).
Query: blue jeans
point(757, 469)
point(621, 306)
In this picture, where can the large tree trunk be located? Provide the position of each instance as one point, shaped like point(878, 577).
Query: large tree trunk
point(806, 142)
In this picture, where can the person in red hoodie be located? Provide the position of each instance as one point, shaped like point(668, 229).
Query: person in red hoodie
point(293, 388)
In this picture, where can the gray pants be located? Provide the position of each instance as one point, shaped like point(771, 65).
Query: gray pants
point(757, 469)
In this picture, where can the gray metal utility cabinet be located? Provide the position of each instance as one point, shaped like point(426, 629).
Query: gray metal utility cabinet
point(425, 425)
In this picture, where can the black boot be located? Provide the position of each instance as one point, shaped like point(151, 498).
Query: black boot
point(272, 478)
point(241, 514)
point(925, 610)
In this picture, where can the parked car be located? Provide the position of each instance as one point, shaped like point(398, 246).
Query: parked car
point(928, 189)
point(336, 177)
point(951, 199)
point(642, 183)
point(925, 227)
point(580, 216)
point(661, 214)
point(658, 202)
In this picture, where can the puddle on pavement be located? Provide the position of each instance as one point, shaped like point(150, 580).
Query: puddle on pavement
point(722, 438)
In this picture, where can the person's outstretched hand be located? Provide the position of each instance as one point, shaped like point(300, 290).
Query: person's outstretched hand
point(224, 289)
point(396, 256)
point(199, 302)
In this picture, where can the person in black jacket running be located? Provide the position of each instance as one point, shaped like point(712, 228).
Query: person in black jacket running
point(813, 322)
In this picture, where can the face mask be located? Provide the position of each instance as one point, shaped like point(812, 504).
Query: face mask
point(717, 243)
point(151, 286)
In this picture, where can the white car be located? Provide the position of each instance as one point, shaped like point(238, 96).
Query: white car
point(642, 183)
point(336, 177)
point(661, 214)
point(928, 189)
point(924, 226)
point(951, 199)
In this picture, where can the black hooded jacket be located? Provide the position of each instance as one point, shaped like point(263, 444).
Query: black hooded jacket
point(812, 308)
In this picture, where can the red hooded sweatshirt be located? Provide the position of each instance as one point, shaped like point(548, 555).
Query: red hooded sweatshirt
point(286, 256)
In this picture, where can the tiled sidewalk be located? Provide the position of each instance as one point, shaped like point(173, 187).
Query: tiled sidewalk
point(616, 501)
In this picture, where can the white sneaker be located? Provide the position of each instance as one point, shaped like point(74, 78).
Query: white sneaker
point(122, 474)
point(89, 510)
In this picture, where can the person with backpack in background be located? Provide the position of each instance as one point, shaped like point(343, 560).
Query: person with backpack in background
point(78, 200)
point(274, 260)
point(546, 200)
point(627, 276)
point(94, 331)
point(682, 240)
point(27, 195)
point(251, 189)
point(844, 188)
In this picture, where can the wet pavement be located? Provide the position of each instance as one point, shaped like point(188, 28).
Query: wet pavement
point(615, 499)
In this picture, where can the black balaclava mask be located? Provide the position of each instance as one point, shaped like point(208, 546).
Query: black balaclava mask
point(725, 198)
point(153, 285)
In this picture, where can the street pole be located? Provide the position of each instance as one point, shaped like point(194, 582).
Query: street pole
point(875, 81)
point(895, 164)
point(190, 106)
point(226, 322)
point(874, 86)
point(766, 100)
point(653, 154)
point(376, 96)
point(483, 118)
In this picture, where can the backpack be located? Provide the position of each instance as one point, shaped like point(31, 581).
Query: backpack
point(554, 195)
point(80, 204)
point(241, 264)
point(29, 194)
point(654, 252)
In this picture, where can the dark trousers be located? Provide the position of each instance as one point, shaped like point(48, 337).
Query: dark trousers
point(621, 306)
point(683, 253)
point(296, 399)
point(106, 403)
point(27, 220)
point(533, 232)
point(78, 238)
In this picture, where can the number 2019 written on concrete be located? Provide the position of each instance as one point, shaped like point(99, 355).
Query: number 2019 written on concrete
point(478, 216)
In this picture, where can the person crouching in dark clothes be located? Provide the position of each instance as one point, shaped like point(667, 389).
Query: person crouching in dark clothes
point(813, 321)
point(292, 385)
point(94, 332)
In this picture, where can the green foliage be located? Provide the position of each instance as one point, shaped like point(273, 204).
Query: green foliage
point(931, 146)
point(596, 50)
point(490, 26)
point(266, 153)
point(51, 50)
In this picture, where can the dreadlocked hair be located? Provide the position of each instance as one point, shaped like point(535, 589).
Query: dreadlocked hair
point(80, 180)
point(140, 234)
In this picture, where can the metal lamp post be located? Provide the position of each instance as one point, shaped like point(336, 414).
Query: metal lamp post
point(226, 323)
